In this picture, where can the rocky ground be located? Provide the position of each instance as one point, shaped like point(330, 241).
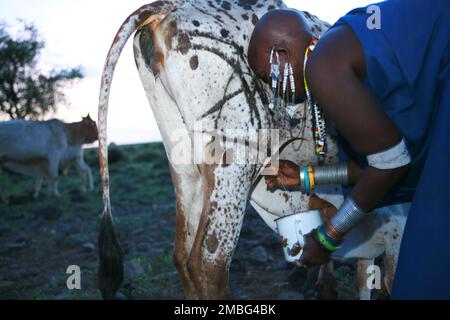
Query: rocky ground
point(40, 238)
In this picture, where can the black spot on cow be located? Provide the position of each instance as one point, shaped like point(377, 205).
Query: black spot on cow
point(310, 17)
point(226, 5)
point(247, 4)
point(239, 28)
point(244, 36)
point(316, 29)
point(271, 7)
point(212, 243)
point(184, 43)
point(218, 18)
point(196, 23)
point(194, 62)
point(225, 33)
point(245, 17)
point(255, 19)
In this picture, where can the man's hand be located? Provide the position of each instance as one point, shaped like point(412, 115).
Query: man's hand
point(313, 254)
point(287, 174)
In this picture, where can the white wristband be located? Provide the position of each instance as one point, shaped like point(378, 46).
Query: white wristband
point(393, 158)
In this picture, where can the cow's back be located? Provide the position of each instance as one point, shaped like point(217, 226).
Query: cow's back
point(23, 140)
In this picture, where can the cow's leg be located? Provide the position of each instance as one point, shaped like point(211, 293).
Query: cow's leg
point(52, 178)
point(186, 180)
point(392, 240)
point(225, 194)
point(84, 172)
point(38, 186)
point(362, 276)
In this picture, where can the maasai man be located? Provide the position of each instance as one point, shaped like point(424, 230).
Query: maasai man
point(385, 86)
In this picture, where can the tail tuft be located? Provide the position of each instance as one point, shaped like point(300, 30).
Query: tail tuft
point(110, 274)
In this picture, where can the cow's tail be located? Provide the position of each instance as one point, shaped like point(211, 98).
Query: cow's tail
point(110, 273)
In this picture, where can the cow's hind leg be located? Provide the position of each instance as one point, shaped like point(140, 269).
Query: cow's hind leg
point(225, 197)
point(52, 178)
point(85, 173)
point(38, 186)
point(362, 276)
point(392, 239)
point(187, 217)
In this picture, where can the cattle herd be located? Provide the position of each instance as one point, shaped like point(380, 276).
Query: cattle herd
point(41, 149)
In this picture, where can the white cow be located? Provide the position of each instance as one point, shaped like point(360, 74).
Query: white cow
point(41, 149)
point(191, 56)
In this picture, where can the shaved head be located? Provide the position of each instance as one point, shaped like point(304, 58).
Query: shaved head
point(289, 32)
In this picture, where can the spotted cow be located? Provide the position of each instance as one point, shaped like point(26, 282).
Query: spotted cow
point(191, 57)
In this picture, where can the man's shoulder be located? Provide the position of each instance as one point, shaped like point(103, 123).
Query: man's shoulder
point(338, 51)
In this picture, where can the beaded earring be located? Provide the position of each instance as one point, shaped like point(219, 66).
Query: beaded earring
point(288, 81)
point(291, 108)
point(275, 76)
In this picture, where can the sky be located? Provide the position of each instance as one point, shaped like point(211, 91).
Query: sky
point(79, 33)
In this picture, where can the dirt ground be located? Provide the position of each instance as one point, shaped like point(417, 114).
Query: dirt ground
point(40, 238)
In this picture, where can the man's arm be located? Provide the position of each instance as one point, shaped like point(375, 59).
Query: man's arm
point(335, 73)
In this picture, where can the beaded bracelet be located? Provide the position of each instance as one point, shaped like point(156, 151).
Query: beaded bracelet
point(307, 178)
point(325, 240)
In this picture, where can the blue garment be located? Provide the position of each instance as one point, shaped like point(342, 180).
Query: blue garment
point(408, 72)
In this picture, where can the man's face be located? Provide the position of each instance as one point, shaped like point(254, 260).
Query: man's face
point(260, 64)
point(289, 32)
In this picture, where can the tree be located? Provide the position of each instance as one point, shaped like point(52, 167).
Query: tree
point(25, 92)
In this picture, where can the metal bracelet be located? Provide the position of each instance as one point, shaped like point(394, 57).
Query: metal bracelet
point(323, 175)
point(332, 174)
point(348, 215)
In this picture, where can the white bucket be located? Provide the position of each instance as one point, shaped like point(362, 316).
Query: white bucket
point(292, 228)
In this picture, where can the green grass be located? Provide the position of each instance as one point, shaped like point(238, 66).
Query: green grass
point(57, 228)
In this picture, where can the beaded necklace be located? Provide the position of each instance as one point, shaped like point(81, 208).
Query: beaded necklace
point(318, 120)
